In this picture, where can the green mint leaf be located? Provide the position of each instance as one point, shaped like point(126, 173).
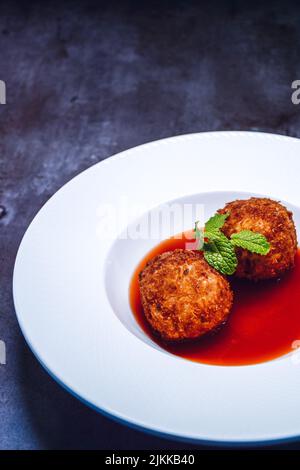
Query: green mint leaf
point(220, 254)
point(216, 222)
point(213, 234)
point(251, 241)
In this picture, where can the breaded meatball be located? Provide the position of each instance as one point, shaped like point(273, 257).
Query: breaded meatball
point(182, 296)
point(275, 222)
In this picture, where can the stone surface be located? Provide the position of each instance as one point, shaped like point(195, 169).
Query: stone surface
point(86, 81)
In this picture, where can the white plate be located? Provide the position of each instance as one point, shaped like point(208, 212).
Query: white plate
point(71, 292)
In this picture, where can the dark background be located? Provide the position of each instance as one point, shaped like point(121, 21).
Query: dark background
point(87, 80)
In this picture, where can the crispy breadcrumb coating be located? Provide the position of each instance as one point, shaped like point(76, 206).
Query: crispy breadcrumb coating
point(182, 296)
point(275, 222)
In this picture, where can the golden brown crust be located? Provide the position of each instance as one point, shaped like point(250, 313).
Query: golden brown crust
point(275, 222)
point(182, 296)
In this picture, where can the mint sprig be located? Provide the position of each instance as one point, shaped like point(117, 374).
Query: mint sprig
point(216, 222)
point(219, 251)
point(199, 235)
point(251, 241)
point(220, 254)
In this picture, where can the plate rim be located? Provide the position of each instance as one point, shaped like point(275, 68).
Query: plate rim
point(115, 416)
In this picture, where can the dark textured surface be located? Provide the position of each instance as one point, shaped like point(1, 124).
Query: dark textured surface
point(84, 82)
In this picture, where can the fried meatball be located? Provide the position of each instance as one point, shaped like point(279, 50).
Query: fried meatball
point(272, 220)
point(182, 296)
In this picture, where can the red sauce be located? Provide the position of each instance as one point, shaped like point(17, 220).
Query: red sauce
point(263, 324)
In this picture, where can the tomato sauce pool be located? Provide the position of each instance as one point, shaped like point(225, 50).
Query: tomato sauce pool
point(263, 324)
